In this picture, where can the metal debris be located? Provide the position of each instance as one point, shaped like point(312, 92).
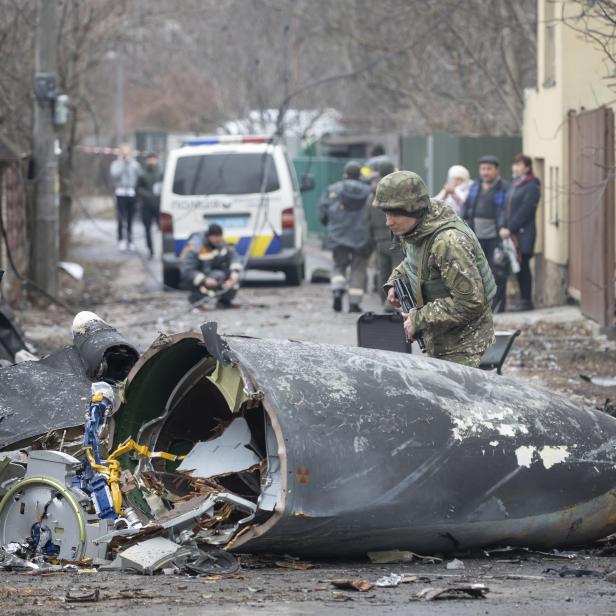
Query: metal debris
point(83, 596)
point(470, 591)
point(400, 556)
point(389, 581)
point(151, 555)
point(601, 381)
point(571, 572)
point(353, 584)
point(455, 564)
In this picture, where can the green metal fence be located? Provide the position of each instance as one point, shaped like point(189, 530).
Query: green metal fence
point(432, 156)
point(325, 171)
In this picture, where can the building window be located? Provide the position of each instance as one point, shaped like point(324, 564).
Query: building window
point(549, 45)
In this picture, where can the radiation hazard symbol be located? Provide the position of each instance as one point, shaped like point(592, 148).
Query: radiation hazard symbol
point(302, 475)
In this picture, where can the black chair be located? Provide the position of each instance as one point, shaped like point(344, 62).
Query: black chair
point(495, 356)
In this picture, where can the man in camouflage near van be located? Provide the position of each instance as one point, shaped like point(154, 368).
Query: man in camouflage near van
point(444, 267)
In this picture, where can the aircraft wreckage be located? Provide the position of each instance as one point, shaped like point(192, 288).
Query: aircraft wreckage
point(292, 447)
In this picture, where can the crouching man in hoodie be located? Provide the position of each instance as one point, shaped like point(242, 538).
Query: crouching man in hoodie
point(343, 210)
point(210, 268)
point(444, 268)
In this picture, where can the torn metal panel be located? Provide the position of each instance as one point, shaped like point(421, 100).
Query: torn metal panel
point(52, 394)
point(229, 453)
point(150, 555)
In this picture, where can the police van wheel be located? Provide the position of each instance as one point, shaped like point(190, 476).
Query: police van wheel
point(171, 278)
point(294, 275)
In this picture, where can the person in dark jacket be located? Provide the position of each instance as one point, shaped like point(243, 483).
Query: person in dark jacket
point(343, 210)
point(521, 208)
point(484, 211)
point(209, 267)
point(148, 196)
point(387, 249)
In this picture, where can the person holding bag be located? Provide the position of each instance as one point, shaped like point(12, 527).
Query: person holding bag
point(522, 201)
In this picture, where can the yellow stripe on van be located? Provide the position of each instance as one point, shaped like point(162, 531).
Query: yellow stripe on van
point(259, 246)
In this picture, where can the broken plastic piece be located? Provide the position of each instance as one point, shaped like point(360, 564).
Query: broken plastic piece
point(150, 555)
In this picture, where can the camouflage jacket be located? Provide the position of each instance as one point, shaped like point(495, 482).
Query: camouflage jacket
point(460, 323)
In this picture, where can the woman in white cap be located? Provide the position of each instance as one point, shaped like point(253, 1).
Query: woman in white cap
point(455, 191)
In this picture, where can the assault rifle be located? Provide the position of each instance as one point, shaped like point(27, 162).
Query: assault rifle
point(407, 302)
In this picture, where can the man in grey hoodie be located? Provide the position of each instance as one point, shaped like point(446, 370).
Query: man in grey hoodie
point(343, 210)
point(125, 171)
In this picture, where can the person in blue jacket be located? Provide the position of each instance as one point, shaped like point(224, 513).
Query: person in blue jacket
point(520, 210)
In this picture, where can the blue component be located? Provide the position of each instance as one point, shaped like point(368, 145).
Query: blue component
point(49, 548)
point(102, 496)
point(92, 482)
point(206, 141)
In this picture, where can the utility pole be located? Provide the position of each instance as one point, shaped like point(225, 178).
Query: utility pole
point(119, 99)
point(45, 245)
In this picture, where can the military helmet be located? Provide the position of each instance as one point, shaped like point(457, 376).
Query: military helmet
point(352, 170)
point(404, 191)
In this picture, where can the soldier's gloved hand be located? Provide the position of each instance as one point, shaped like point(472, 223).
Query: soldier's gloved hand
point(198, 279)
point(392, 299)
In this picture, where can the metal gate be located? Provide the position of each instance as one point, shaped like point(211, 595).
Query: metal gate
point(591, 212)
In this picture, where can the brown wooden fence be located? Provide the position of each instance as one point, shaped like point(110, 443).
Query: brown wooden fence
point(591, 212)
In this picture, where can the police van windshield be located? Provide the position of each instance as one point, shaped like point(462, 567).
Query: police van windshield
point(225, 174)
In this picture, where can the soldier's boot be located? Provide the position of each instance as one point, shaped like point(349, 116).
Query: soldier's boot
point(355, 296)
point(338, 295)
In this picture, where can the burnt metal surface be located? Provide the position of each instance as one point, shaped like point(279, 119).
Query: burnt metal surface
point(106, 353)
point(386, 450)
point(53, 393)
point(50, 394)
point(12, 339)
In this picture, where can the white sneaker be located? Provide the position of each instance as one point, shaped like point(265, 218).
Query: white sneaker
point(131, 247)
point(122, 245)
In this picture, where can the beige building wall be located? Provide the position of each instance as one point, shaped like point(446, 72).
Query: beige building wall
point(570, 76)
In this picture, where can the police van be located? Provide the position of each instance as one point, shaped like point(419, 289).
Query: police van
point(248, 186)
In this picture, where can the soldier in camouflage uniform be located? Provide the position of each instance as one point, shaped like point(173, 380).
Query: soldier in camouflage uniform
point(445, 268)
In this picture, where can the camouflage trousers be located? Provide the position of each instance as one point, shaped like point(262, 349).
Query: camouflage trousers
point(470, 360)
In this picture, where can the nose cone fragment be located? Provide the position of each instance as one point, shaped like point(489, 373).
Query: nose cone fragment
point(364, 450)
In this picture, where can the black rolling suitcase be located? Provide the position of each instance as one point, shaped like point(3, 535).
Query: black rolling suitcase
point(382, 331)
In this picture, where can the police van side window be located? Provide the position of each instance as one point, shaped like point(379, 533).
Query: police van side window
point(228, 174)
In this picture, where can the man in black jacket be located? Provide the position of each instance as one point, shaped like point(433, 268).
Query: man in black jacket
point(522, 202)
point(148, 195)
point(210, 268)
